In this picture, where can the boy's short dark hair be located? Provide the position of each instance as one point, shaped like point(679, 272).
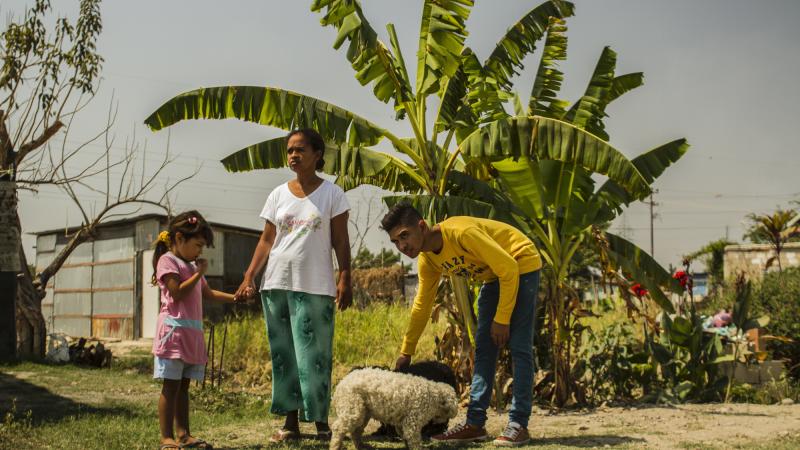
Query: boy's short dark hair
point(400, 214)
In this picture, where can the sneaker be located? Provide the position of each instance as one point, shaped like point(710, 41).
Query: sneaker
point(462, 433)
point(513, 436)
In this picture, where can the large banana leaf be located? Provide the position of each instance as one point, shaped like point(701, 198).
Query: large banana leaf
point(625, 83)
point(484, 94)
point(543, 138)
point(462, 185)
point(520, 40)
point(651, 165)
point(643, 268)
point(268, 106)
point(340, 159)
point(455, 112)
point(589, 112)
point(441, 40)
point(544, 100)
point(370, 58)
point(522, 182)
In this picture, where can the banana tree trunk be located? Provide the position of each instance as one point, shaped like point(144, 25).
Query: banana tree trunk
point(560, 332)
point(9, 268)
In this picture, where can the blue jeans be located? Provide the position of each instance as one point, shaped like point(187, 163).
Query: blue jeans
point(520, 343)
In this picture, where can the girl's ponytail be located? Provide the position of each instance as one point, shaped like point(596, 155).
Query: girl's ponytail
point(162, 246)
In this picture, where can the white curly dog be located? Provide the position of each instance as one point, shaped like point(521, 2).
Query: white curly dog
point(406, 401)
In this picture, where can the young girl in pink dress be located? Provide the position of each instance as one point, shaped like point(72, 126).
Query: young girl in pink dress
point(179, 347)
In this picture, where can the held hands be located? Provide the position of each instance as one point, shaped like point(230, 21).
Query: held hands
point(246, 292)
point(499, 334)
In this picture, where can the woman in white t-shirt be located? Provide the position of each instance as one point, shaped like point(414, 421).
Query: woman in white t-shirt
point(305, 218)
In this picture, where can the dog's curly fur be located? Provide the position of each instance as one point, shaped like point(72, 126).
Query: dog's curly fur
point(406, 401)
point(431, 370)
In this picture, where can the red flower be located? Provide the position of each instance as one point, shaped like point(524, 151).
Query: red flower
point(682, 278)
point(638, 290)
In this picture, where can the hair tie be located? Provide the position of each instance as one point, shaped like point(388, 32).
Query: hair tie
point(192, 220)
point(164, 237)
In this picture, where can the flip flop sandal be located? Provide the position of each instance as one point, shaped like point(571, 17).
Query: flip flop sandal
point(198, 443)
point(283, 435)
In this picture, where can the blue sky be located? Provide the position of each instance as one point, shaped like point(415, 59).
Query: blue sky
point(722, 73)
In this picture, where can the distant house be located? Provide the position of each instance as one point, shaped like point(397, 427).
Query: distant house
point(752, 259)
point(104, 288)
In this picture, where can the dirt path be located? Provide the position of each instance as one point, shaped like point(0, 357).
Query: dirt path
point(685, 426)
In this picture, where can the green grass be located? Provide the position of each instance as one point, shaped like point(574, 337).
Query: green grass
point(371, 336)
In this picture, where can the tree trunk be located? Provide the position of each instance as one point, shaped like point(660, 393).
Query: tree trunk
point(31, 327)
point(9, 268)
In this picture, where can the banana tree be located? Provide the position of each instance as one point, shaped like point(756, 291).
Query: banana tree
point(556, 196)
point(470, 94)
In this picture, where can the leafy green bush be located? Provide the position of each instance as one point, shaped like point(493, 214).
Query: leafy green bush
point(778, 296)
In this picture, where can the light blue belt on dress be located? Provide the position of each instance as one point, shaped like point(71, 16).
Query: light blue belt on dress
point(180, 323)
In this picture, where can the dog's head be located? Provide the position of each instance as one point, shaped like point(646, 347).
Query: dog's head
point(447, 404)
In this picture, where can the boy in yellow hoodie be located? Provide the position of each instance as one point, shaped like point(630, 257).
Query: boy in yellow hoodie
point(508, 264)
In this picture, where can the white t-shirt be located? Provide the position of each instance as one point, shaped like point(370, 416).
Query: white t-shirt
point(300, 259)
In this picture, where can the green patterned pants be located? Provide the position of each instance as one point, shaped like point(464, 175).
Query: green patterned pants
point(300, 332)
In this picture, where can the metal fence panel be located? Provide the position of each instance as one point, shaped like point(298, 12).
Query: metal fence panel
point(215, 256)
point(113, 275)
point(74, 278)
point(78, 303)
point(72, 326)
point(113, 249)
point(112, 303)
point(81, 254)
point(44, 259)
point(46, 243)
point(146, 233)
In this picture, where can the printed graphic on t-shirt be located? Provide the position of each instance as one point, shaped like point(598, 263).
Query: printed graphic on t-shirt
point(290, 224)
point(458, 266)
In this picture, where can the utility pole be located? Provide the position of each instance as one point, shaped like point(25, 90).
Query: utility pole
point(652, 219)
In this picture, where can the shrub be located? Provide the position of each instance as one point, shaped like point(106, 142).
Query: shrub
point(778, 296)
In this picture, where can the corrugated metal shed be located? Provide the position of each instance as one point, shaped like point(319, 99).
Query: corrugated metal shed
point(99, 291)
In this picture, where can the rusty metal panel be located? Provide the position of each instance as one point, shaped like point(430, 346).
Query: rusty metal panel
point(69, 304)
point(45, 243)
point(113, 249)
point(71, 278)
point(146, 233)
point(72, 326)
point(113, 275)
point(113, 327)
point(112, 302)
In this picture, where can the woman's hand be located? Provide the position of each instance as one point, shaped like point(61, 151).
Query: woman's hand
point(344, 294)
point(246, 291)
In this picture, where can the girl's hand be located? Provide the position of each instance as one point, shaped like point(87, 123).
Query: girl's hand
point(202, 265)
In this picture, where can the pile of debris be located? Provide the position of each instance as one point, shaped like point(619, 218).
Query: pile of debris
point(60, 350)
